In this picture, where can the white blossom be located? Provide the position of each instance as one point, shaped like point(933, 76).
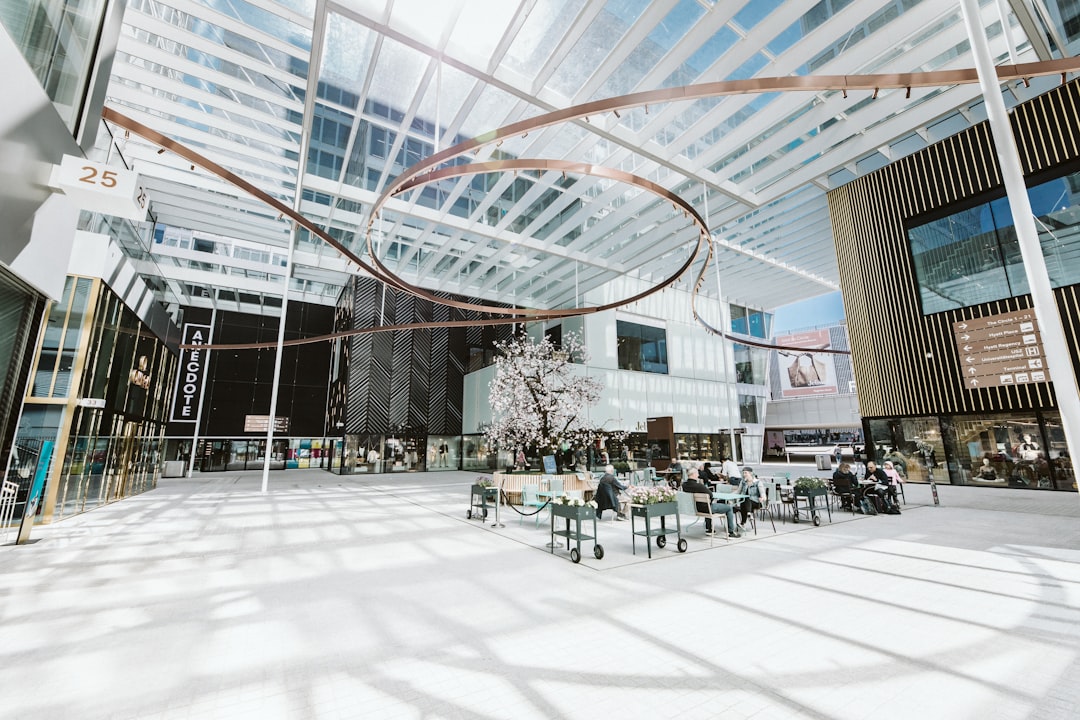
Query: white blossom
point(538, 398)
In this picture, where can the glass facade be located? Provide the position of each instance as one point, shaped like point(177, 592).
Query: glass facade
point(101, 387)
point(995, 450)
point(751, 364)
point(57, 38)
point(754, 323)
point(642, 347)
point(972, 256)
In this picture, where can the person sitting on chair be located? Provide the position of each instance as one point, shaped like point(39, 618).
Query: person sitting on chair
point(694, 485)
point(893, 482)
point(871, 493)
point(608, 494)
point(846, 484)
point(757, 496)
point(708, 476)
point(730, 470)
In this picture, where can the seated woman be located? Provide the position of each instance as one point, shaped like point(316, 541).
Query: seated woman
point(757, 496)
point(894, 480)
point(846, 485)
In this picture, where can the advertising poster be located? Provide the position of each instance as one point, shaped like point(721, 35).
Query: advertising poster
point(806, 373)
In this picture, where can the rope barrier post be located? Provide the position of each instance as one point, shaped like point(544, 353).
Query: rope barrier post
point(498, 502)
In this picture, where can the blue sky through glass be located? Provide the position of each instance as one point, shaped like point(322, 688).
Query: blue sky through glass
point(822, 310)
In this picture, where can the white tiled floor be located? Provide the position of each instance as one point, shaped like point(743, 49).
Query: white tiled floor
point(375, 597)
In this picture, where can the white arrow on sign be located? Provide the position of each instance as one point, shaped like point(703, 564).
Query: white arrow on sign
point(972, 371)
point(974, 382)
point(967, 348)
point(962, 326)
point(969, 360)
point(965, 337)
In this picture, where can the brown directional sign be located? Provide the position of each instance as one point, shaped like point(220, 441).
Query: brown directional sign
point(998, 350)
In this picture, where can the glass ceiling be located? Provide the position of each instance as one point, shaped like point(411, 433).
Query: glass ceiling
point(324, 112)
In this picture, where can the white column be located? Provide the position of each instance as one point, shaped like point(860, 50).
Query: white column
point(732, 407)
point(277, 361)
point(1059, 364)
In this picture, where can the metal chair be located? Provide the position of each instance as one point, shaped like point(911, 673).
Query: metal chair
point(712, 518)
point(530, 498)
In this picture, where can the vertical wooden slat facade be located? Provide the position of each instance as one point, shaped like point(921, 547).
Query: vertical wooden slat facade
point(906, 363)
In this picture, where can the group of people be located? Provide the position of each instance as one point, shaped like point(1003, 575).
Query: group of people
point(757, 497)
point(876, 494)
point(611, 494)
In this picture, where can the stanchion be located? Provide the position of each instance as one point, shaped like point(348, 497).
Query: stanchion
point(498, 502)
point(933, 487)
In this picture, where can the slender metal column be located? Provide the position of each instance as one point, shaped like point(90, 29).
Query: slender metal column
point(731, 388)
point(202, 391)
point(1003, 13)
point(1059, 364)
point(277, 362)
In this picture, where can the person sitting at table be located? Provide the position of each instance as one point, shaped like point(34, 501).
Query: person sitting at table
point(708, 476)
point(893, 482)
point(611, 495)
point(870, 492)
point(846, 485)
point(694, 485)
point(676, 471)
point(756, 495)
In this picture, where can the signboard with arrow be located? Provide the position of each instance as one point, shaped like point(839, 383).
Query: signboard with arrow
point(1004, 349)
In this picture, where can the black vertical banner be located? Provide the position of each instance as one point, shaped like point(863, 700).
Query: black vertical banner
point(189, 378)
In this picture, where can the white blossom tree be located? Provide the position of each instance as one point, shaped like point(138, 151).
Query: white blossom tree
point(537, 398)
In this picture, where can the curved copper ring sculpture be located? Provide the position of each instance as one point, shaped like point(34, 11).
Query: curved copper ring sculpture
point(564, 166)
point(406, 180)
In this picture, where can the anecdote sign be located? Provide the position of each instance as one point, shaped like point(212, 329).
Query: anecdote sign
point(189, 379)
point(997, 350)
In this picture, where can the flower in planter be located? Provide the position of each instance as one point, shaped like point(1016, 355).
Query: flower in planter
point(809, 483)
point(565, 499)
point(651, 495)
point(484, 481)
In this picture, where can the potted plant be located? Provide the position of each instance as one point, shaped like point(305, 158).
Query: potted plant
point(653, 501)
point(811, 488)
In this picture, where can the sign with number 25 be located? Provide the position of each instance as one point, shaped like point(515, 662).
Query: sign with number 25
point(101, 188)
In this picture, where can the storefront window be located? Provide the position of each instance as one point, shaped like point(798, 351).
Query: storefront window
point(1000, 450)
point(1057, 452)
point(477, 454)
point(913, 445)
point(443, 452)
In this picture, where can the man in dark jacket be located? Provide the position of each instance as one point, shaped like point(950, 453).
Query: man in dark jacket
point(694, 485)
point(607, 494)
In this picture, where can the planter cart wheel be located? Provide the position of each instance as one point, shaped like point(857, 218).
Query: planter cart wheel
point(661, 541)
point(681, 545)
point(817, 519)
point(575, 556)
point(598, 552)
point(468, 514)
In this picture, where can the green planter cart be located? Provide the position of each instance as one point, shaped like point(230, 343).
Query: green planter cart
point(575, 514)
point(479, 498)
point(649, 513)
point(812, 507)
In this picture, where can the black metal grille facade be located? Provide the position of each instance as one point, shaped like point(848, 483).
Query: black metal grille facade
point(409, 380)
